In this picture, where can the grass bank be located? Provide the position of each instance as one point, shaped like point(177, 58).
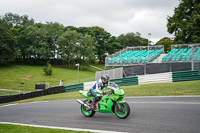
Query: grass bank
point(159, 89)
point(13, 76)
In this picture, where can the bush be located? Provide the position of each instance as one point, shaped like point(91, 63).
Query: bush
point(48, 70)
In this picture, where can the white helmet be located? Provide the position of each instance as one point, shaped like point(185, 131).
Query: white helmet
point(105, 78)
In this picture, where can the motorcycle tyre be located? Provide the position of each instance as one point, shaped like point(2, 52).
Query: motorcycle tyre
point(126, 114)
point(85, 113)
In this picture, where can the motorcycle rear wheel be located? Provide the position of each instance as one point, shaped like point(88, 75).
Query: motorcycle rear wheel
point(87, 112)
point(123, 112)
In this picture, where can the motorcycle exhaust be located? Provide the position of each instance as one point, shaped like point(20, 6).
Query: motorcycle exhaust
point(82, 103)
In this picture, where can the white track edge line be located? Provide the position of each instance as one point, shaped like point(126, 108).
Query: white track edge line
point(22, 103)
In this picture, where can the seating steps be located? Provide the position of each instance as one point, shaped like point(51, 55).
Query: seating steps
point(138, 56)
point(182, 55)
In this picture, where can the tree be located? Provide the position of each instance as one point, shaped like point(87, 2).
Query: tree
point(86, 49)
point(67, 43)
point(34, 42)
point(185, 23)
point(131, 40)
point(14, 20)
point(53, 31)
point(167, 42)
point(72, 28)
point(101, 37)
point(7, 47)
point(113, 46)
point(16, 24)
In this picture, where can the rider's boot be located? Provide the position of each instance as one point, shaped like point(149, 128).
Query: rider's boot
point(93, 105)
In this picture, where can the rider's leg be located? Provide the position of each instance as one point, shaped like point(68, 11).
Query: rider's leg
point(94, 100)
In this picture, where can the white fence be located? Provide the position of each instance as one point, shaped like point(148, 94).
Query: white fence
point(88, 85)
point(155, 78)
point(143, 79)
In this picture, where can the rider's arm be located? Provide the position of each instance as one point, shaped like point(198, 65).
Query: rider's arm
point(97, 88)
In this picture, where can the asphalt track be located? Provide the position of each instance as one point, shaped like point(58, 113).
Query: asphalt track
point(148, 115)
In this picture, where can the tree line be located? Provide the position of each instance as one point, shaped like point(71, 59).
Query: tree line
point(184, 24)
point(23, 38)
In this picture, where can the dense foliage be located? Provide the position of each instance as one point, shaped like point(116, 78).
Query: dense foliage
point(167, 42)
point(24, 39)
point(7, 46)
point(185, 23)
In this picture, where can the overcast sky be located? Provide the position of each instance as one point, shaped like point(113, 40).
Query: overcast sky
point(115, 16)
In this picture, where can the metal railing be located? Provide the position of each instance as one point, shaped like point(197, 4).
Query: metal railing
point(125, 62)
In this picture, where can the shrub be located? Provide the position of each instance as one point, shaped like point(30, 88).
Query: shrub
point(48, 70)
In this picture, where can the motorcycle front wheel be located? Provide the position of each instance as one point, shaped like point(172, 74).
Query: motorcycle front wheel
point(87, 112)
point(123, 111)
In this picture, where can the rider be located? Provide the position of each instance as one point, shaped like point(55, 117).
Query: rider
point(98, 87)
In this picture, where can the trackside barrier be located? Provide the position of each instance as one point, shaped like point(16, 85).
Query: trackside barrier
point(12, 98)
point(143, 79)
point(155, 78)
point(126, 81)
point(186, 75)
point(121, 82)
point(75, 87)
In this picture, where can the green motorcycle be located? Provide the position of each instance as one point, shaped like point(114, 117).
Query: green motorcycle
point(111, 102)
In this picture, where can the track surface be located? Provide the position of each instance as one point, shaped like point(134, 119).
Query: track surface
point(148, 115)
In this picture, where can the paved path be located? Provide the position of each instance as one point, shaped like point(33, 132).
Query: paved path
point(97, 67)
point(13, 90)
point(148, 115)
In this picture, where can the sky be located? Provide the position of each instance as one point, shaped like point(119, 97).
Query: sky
point(115, 16)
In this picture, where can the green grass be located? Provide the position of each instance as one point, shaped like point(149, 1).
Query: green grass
point(7, 128)
point(12, 76)
point(164, 89)
point(159, 89)
point(6, 93)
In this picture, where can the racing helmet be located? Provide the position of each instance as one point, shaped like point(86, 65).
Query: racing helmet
point(105, 78)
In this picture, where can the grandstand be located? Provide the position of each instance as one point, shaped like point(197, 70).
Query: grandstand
point(141, 55)
point(134, 55)
point(143, 60)
point(183, 53)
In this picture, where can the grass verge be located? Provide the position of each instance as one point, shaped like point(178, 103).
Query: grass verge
point(8, 128)
point(164, 89)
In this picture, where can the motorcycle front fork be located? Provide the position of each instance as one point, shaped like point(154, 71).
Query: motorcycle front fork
point(119, 106)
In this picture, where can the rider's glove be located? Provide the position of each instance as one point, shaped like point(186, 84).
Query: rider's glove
point(105, 92)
